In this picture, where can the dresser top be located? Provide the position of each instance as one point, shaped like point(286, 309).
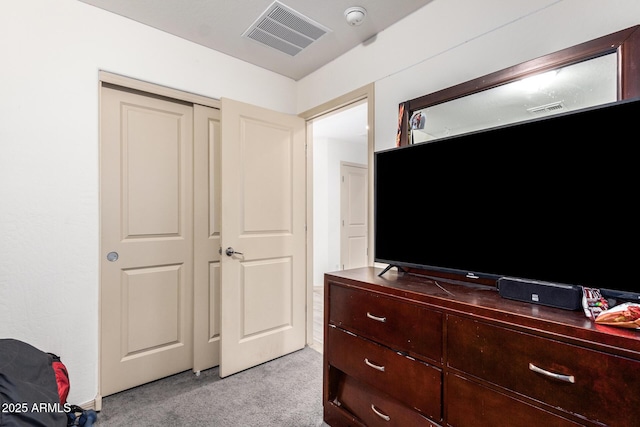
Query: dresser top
point(484, 302)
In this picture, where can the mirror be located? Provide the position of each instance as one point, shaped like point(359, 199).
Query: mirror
point(592, 73)
point(581, 85)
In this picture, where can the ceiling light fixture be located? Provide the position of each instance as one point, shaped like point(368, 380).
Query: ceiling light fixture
point(355, 15)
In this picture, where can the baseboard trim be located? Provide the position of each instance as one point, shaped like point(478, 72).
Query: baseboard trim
point(317, 346)
point(95, 404)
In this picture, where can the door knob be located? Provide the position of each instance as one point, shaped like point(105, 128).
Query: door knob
point(230, 252)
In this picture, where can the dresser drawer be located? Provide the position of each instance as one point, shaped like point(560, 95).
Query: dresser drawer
point(470, 404)
point(415, 383)
point(596, 385)
point(402, 326)
point(374, 408)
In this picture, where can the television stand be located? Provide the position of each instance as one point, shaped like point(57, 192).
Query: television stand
point(389, 267)
point(399, 350)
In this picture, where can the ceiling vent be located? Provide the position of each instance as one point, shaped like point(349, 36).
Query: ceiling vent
point(284, 29)
point(549, 108)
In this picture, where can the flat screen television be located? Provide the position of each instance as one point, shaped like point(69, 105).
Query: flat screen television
point(552, 199)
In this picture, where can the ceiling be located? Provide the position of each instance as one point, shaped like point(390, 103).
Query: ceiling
point(220, 25)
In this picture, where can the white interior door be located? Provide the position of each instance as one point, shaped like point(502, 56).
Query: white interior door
point(146, 300)
point(353, 216)
point(263, 220)
point(207, 210)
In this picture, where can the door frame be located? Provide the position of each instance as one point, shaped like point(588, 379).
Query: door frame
point(364, 93)
point(131, 83)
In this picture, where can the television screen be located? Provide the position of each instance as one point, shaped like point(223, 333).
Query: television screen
point(549, 199)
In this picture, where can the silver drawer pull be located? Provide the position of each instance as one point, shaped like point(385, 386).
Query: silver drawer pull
point(379, 319)
point(380, 414)
point(373, 365)
point(566, 378)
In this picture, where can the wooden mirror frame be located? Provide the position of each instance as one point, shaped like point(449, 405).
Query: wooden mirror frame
point(626, 43)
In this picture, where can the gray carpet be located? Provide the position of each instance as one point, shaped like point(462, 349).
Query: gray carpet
point(283, 392)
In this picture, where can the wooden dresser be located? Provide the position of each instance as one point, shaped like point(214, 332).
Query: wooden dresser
point(405, 350)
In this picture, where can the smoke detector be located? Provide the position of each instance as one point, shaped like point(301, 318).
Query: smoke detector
point(355, 15)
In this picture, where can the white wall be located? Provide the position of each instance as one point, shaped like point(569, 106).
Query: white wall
point(50, 54)
point(452, 41)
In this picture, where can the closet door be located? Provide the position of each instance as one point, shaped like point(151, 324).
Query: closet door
point(207, 210)
point(146, 188)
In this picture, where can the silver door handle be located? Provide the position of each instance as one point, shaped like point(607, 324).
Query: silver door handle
point(230, 252)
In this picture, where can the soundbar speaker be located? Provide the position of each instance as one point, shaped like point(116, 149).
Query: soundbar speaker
point(568, 297)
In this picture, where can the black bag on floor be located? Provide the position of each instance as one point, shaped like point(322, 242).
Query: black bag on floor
point(28, 388)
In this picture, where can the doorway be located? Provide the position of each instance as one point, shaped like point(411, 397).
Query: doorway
point(339, 137)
